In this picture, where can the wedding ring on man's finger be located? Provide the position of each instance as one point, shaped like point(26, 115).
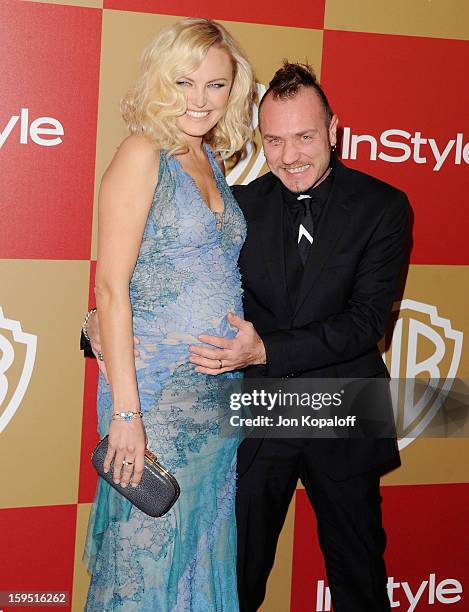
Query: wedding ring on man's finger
point(221, 364)
point(127, 463)
point(100, 356)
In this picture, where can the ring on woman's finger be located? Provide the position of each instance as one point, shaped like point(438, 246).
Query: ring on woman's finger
point(125, 462)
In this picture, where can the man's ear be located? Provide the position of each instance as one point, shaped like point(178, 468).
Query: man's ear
point(333, 130)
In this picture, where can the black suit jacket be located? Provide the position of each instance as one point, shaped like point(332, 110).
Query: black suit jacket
point(344, 303)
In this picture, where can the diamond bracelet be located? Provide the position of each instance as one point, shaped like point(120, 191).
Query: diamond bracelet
point(84, 325)
point(127, 416)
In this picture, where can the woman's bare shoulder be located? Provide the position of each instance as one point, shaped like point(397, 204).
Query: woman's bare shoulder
point(136, 156)
point(139, 148)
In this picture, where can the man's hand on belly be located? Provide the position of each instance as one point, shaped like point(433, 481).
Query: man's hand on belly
point(245, 349)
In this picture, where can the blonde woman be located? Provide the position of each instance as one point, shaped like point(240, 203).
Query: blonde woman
point(170, 233)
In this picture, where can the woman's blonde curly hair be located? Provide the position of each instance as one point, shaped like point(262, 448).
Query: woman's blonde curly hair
point(153, 105)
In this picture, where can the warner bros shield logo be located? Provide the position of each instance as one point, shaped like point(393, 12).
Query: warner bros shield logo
point(17, 356)
point(423, 360)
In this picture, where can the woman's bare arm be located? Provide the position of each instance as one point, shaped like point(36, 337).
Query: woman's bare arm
point(125, 198)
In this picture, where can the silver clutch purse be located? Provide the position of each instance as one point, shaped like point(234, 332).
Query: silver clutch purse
point(157, 490)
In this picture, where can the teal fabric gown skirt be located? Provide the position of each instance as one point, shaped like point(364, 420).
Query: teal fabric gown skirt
point(185, 281)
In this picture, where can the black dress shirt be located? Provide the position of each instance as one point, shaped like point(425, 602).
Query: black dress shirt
point(291, 223)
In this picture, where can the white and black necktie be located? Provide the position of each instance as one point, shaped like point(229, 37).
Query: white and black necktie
point(305, 228)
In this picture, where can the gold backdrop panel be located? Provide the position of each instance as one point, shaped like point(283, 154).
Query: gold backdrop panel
point(432, 461)
point(277, 595)
point(125, 35)
point(41, 412)
point(435, 18)
point(267, 46)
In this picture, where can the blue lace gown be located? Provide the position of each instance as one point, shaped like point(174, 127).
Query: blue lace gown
point(185, 280)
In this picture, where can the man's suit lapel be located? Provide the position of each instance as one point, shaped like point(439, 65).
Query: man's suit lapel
point(273, 248)
point(335, 219)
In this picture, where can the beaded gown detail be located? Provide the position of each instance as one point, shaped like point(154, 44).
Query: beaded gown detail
point(185, 281)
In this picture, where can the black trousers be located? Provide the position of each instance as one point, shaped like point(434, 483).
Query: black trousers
point(348, 514)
